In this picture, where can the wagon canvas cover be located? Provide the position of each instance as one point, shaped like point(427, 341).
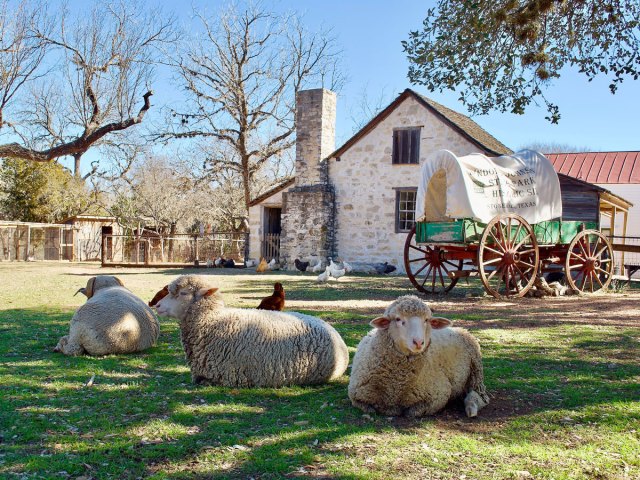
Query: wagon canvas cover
point(479, 188)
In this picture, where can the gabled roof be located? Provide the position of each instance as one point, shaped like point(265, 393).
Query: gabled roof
point(460, 123)
point(599, 167)
point(273, 191)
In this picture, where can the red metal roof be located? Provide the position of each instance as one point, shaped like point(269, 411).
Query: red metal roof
point(599, 167)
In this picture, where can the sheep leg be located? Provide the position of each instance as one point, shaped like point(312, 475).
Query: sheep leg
point(365, 407)
point(473, 403)
point(421, 409)
point(68, 347)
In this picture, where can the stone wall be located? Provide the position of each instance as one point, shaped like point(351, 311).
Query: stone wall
point(365, 183)
point(308, 223)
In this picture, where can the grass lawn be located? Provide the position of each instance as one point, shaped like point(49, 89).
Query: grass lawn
point(564, 375)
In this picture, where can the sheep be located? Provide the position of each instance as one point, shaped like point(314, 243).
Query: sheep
point(412, 365)
point(112, 321)
point(236, 347)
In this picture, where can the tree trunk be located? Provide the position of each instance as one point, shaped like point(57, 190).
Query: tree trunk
point(77, 157)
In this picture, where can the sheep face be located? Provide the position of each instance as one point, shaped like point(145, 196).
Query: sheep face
point(409, 321)
point(180, 298)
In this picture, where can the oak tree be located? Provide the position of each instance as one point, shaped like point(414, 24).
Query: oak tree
point(502, 54)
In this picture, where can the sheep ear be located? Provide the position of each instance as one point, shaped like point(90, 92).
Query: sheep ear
point(119, 281)
point(205, 292)
point(440, 322)
point(82, 291)
point(89, 290)
point(380, 322)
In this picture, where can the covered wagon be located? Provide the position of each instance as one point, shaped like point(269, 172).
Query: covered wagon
point(500, 219)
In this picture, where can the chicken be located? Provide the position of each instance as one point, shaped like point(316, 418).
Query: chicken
point(323, 277)
point(317, 267)
point(159, 296)
point(348, 268)
point(262, 266)
point(274, 301)
point(383, 268)
point(300, 265)
point(273, 265)
point(337, 273)
point(229, 263)
point(219, 262)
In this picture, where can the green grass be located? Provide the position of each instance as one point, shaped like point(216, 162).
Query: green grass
point(566, 394)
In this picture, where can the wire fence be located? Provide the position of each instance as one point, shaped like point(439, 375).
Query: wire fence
point(178, 249)
point(22, 241)
point(627, 255)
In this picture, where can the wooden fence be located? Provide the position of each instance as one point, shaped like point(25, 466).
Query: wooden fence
point(173, 250)
point(271, 246)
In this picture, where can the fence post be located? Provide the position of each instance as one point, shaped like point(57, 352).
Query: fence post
point(147, 251)
point(196, 255)
point(102, 250)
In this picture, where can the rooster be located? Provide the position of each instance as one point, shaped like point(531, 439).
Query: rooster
point(274, 301)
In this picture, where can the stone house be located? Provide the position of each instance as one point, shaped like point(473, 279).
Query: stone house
point(357, 203)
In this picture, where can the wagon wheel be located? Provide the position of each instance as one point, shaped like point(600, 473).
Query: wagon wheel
point(589, 263)
point(508, 256)
point(428, 267)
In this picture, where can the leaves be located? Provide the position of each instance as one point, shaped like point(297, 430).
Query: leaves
point(501, 55)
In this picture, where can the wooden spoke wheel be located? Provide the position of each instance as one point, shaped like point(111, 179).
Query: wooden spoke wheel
point(589, 263)
point(428, 266)
point(508, 256)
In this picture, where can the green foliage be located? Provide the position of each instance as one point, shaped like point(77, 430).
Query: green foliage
point(40, 192)
point(501, 54)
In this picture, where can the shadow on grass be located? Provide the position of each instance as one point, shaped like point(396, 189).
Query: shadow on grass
point(143, 416)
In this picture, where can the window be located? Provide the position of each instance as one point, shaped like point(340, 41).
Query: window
point(406, 146)
point(405, 209)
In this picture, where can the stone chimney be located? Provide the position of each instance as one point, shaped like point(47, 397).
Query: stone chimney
point(315, 134)
point(308, 209)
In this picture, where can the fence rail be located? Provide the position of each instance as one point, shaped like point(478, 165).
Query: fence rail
point(173, 250)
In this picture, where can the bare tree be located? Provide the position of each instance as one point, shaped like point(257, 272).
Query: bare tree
point(554, 147)
point(21, 51)
point(241, 78)
point(107, 62)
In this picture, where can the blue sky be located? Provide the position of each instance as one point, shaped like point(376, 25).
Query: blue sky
point(370, 33)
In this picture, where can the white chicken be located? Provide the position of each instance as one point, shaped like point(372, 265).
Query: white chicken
point(348, 268)
point(323, 277)
point(272, 265)
point(317, 267)
point(336, 271)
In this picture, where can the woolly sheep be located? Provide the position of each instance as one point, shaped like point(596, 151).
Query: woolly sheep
point(113, 320)
point(250, 348)
point(412, 365)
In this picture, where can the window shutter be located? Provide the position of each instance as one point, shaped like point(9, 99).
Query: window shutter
point(415, 146)
point(394, 155)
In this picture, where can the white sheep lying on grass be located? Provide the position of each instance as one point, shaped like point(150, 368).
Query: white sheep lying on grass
point(113, 320)
point(412, 364)
point(237, 347)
